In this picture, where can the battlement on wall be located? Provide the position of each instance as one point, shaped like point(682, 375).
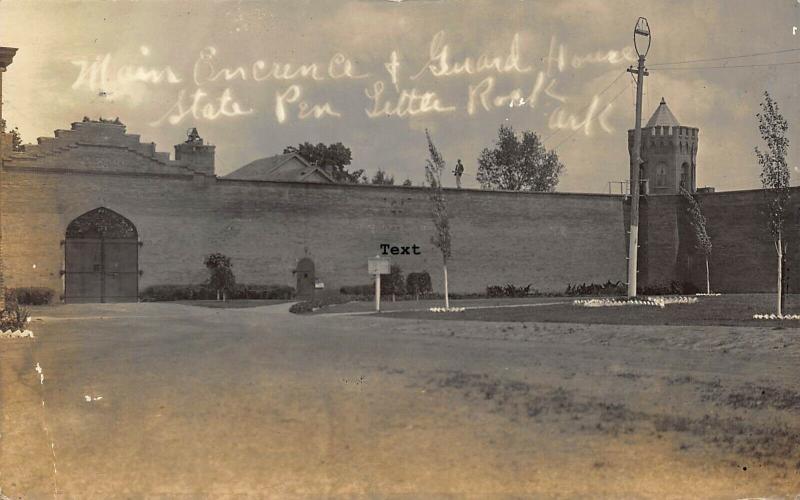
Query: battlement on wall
point(685, 133)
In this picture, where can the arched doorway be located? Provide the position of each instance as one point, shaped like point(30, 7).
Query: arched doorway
point(101, 258)
point(305, 278)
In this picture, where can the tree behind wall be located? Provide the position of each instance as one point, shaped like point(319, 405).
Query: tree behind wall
point(434, 166)
point(382, 178)
point(698, 222)
point(519, 164)
point(16, 140)
point(333, 158)
point(775, 179)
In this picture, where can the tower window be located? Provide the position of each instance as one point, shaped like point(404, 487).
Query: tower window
point(685, 175)
point(661, 175)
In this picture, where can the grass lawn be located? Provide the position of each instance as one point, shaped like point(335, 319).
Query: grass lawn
point(406, 305)
point(726, 310)
point(231, 304)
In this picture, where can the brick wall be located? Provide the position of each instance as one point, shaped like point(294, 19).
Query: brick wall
point(743, 256)
point(548, 240)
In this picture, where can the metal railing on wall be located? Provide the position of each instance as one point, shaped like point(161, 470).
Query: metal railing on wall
point(624, 187)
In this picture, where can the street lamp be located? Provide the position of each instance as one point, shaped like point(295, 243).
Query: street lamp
point(641, 34)
point(641, 41)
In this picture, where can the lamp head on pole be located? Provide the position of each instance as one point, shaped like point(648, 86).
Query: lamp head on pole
point(6, 56)
point(641, 37)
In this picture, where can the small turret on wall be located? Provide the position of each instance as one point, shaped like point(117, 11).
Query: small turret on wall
point(196, 155)
point(669, 153)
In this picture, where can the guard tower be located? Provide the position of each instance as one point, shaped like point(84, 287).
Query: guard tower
point(669, 154)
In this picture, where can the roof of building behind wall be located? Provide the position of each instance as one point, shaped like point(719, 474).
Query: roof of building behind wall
point(277, 168)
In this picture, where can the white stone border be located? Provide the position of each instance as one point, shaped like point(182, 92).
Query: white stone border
point(16, 334)
point(777, 316)
point(677, 299)
point(645, 301)
point(612, 302)
point(446, 309)
point(708, 294)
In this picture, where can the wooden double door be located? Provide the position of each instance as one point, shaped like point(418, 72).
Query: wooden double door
point(101, 258)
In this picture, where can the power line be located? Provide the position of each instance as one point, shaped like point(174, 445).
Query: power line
point(727, 67)
point(550, 135)
point(576, 130)
point(726, 58)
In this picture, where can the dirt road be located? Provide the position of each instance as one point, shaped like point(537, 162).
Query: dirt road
point(194, 402)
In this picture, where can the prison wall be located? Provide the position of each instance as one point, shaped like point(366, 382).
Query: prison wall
point(743, 257)
point(547, 240)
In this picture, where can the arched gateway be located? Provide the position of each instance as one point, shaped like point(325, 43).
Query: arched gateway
point(101, 260)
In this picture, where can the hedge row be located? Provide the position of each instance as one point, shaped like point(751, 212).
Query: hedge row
point(30, 296)
point(166, 293)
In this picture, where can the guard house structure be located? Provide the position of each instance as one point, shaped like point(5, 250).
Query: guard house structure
point(669, 154)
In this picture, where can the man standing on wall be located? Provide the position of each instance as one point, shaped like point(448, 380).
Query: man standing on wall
point(459, 170)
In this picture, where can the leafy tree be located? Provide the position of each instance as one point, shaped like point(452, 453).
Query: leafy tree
point(775, 178)
point(407, 183)
point(221, 276)
point(698, 222)
point(434, 167)
point(334, 156)
point(16, 140)
point(519, 164)
point(394, 283)
point(382, 178)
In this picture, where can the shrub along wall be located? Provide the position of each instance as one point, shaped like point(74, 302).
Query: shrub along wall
point(162, 293)
point(30, 296)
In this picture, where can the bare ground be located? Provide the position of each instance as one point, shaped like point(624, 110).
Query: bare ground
point(258, 403)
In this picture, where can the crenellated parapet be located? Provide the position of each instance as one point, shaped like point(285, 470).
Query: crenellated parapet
point(669, 153)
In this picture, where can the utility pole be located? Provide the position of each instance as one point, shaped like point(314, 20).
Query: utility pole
point(642, 29)
point(6, 56)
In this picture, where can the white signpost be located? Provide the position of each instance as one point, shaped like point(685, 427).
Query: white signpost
point(378, 265)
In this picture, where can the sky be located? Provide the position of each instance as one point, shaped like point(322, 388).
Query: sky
point(255, 77)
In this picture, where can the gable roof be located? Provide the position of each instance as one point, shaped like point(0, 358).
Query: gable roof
point(289, 167)
point(663, 117)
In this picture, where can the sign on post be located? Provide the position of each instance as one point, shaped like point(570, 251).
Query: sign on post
point(377, 266)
